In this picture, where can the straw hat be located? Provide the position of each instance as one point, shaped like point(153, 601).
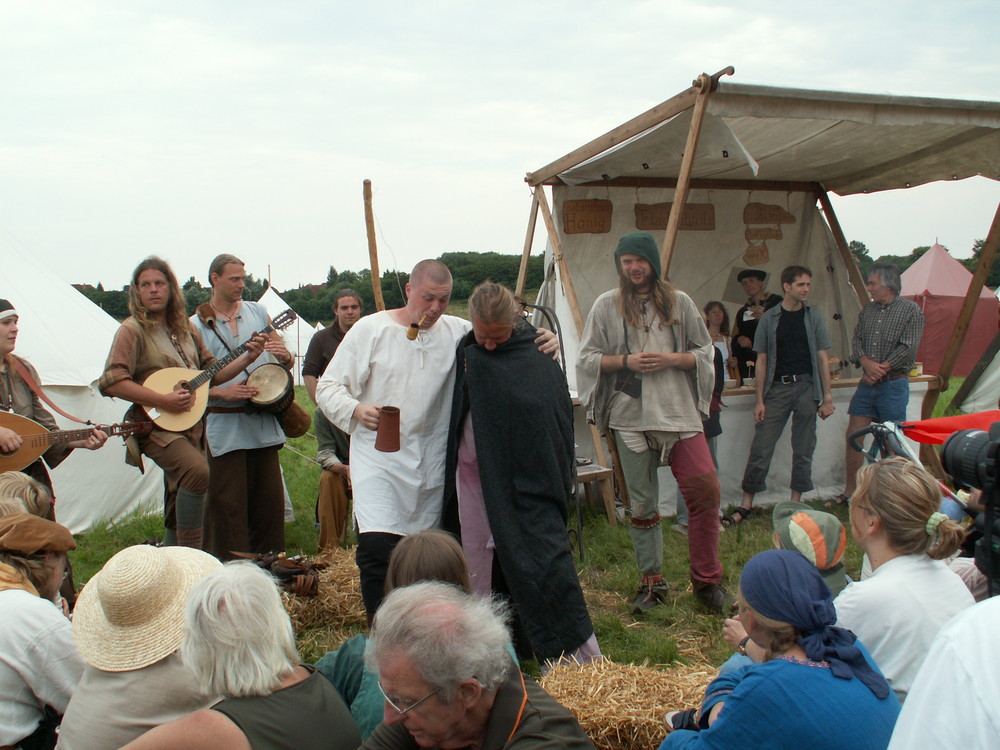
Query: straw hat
point(131, 613)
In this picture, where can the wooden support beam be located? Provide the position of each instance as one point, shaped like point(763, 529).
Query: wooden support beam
point(372, 246)
point(557, 252)
point(701, 183)
point(971, 300)
point(529, 239)
point(704, 86)
point(648, 119)
point(853, 272)
point(977, 372)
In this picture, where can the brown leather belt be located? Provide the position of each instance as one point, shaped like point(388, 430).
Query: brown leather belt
point(220, 410)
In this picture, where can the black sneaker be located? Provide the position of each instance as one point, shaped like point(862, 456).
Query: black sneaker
point(686, 719)
point(715, 598)
point(648, 597)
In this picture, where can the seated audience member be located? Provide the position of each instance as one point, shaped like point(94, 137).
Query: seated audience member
point(444, 667)
point(128, 625)
point(911, 593)
point(817, 688)
point(239, 643)
point(430, 555)
point(954, 702)
point(34, 496)
point(821, 538)
point(39, 666)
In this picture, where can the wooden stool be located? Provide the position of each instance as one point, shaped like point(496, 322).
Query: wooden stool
point(590, 474)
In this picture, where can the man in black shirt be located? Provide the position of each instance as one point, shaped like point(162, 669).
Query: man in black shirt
point(793, 378)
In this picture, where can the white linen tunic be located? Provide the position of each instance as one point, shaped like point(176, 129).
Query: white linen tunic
point(401, 492)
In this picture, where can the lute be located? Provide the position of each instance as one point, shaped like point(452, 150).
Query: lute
point(170, 379)
point(37, 439)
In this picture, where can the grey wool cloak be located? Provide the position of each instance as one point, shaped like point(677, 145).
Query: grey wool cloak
point(523, 430)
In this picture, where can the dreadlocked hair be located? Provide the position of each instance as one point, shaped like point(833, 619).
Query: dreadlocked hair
point(630, 306)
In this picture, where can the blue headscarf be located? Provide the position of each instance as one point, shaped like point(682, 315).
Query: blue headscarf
point(783, 585)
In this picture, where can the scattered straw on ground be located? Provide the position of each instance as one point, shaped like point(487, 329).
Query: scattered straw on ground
point(621, 706)
point(338, 604)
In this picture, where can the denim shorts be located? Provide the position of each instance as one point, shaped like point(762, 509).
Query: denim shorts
point(882, 402)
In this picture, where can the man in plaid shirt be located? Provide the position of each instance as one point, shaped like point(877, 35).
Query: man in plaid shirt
point(884, 347)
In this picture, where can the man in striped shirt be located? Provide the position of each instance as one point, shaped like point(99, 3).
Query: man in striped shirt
point(884, 347)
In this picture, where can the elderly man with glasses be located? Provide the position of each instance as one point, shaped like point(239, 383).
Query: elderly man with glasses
point(444, 668)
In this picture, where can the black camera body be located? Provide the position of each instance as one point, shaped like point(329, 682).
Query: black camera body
point(973, 458)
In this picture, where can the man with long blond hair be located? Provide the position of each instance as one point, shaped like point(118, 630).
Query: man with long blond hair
point(158, 335)
point(646, 372)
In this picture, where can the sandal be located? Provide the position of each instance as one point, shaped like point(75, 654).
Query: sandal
point(839, 500)
point(737, 516)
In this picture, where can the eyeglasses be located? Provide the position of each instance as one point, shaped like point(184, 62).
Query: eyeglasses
point(404, 709)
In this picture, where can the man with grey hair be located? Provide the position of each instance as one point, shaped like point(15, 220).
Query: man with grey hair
point(448, 679)
point(884, 347)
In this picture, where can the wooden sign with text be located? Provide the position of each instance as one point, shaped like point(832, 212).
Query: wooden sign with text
point(587, 217)
point(762, 233)
point(765, 213)
point(697, 216)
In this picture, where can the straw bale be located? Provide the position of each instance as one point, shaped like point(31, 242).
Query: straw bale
point(621, 706)
point(338, 605)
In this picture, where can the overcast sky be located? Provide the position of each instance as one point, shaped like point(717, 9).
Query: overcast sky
point(190, 128)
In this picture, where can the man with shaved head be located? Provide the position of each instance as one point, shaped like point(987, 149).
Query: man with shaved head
point(403, 358)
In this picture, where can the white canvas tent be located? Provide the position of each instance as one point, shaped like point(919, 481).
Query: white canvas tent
point(718, 149)
point(67, 338)
point(296, 337)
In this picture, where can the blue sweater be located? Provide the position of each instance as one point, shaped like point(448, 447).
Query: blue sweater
point(782, 704)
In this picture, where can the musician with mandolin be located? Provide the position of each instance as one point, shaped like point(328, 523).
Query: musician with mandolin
point(159, 362)
point(18, 398)
point(245, 509)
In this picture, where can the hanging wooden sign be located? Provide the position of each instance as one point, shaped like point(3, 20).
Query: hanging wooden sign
point(756, 255)
point(765, 213)
point(762, 233)
point(587, 217)
point(697, 216)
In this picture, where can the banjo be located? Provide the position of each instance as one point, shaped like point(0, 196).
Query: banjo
point(197, 381)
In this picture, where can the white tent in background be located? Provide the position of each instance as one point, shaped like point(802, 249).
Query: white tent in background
point(296, 337)
point(67, 338)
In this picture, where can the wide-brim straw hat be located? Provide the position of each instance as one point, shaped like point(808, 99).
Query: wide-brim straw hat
point(131, 613)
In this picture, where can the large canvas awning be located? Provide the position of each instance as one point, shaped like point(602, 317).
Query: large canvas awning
point(848, 142)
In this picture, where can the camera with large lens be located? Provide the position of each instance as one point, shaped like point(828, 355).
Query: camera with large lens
point(972, 457)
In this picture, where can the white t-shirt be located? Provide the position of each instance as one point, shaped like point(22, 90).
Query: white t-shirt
point(898, 610)
point(401, 492)
point(954, 703)
point(39, 665)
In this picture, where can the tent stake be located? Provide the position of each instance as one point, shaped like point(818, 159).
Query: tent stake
point(372, 247)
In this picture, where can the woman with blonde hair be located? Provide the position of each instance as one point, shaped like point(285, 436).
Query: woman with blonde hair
point(32, 495)
point(911, 593)
point(817, 686)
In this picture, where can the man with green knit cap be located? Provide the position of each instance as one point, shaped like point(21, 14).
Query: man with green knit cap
point(646, 372)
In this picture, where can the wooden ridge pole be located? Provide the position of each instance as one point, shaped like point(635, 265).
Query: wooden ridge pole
point(372, 246)
point(529, 239)
point(853, 272)
point(705, 85)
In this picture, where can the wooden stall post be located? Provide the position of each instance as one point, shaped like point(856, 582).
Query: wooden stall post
point(372, 246)
point(529, 239)
point(853, 272)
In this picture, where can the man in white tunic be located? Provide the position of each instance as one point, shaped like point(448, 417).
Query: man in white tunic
point(377, 365)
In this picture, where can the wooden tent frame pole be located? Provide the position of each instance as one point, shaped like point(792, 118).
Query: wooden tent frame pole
point(853, 272)
point(704, 84)
point(971, 300)
point(648, 119)
point(557, 254)
point(529, 239)
point(372, 246)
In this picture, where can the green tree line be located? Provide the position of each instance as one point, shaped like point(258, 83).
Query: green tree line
point(863, 257)
point(313, 301)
